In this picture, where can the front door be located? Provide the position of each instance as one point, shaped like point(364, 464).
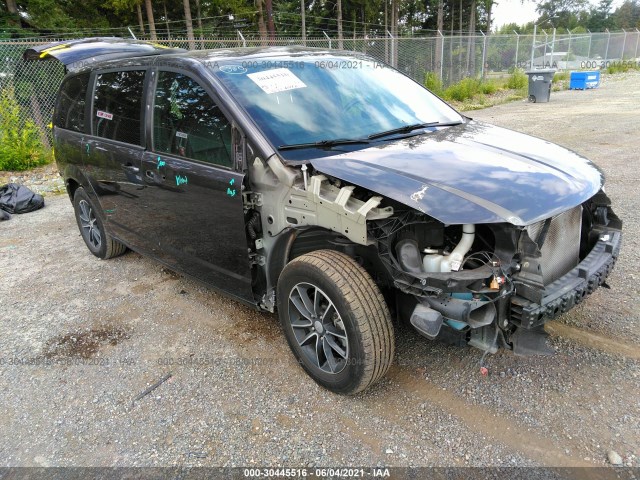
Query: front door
point(192, 203)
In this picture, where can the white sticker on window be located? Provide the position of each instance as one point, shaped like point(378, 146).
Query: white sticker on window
point(181, 135)
point(105, 115)
point(276, 80)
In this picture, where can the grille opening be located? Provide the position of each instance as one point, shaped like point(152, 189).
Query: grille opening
point(561, 247)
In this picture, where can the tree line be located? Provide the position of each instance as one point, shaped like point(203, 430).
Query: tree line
point(193, 19)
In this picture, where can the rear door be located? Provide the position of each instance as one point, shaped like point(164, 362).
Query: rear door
point(113, 151)
point(192, 203)
point(70, 123)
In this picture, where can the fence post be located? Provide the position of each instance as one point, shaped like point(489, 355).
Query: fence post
point(553, 45)
point(484, 53)
point(244, 42)
point(442, 54)
point(637, 39)
point(303, 26)
point(393, 49)
point(533, 45)
point(517, 48)
point(590, 38)
point(606, 53)
point(624, 44)
point(39, 121)
point(569, 47)
point(546, 44)
point(328, 38)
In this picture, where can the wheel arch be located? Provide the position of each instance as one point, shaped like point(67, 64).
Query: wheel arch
point(75, 178)
point(295, 242)
point(71, 185)
point(364, 320)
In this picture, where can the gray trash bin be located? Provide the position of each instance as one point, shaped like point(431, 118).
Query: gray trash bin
point(540, 84)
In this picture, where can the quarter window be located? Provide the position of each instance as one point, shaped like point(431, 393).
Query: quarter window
point(187, 122)
point(71, 103)
point(117, 106)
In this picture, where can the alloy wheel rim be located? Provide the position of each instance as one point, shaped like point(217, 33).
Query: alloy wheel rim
point(89, 225)
point(318, 328)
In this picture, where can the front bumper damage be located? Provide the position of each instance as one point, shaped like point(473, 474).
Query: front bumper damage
point(505, 301)
point(570, 289)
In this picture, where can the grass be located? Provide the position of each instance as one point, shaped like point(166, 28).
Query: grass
point(622, 66)
point(21, 145)
point(475, 94)
point(560, 81)
point(518, 80)
point(561, 77)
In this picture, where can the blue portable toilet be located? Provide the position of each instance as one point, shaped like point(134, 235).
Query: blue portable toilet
point(584, 80)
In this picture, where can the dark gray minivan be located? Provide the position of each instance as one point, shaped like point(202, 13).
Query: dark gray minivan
point(332, 188)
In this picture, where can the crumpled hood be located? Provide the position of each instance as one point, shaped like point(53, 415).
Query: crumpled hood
point(472, 173)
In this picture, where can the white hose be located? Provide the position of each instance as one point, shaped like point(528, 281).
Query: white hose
point(453, 261)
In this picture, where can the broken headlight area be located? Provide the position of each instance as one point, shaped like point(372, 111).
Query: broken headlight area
point(496, 284)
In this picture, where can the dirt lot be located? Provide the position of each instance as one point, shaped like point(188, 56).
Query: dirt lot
point(81, 338)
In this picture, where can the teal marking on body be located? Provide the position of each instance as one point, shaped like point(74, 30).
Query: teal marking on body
point(231, 193)
point(180, 180)
point(232, 181)
point(161, 163)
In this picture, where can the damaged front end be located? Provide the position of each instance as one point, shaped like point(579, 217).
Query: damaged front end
point(496, 284)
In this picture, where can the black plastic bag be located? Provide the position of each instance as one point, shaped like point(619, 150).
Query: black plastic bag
point(16, 198)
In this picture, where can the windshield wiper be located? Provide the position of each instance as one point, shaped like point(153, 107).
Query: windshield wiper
point(325, 143)
point(364, 141)
point(411, 128)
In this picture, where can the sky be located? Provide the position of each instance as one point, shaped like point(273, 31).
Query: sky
point(510, 11)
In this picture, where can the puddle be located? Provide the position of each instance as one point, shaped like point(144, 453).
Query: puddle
point(84, 344)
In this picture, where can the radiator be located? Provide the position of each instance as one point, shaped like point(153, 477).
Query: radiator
point(561, 247)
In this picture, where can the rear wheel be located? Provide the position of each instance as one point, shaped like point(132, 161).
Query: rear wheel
point(336, 321)
point(98, 241)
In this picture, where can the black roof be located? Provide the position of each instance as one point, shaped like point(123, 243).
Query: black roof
point(86, 52)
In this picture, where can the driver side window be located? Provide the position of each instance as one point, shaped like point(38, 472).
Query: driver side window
point(187, 123)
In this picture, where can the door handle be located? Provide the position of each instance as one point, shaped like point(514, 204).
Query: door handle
point(131, 168)
point(155, 176)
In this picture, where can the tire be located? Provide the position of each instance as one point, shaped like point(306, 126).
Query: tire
point(92, 230)
point(343, 338)
point(532, 98)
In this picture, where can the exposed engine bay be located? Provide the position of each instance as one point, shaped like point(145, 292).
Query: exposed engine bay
point(497, 284)
point(486, 285)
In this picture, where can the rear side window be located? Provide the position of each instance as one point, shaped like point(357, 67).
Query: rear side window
point(69, 112)
point(117, 106)
point(188, 123)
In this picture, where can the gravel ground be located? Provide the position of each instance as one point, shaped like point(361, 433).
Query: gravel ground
point(81, 338)
point(43, 180)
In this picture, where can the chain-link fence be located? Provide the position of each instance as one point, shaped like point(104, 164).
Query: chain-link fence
point(32, 85)
point(451, 58)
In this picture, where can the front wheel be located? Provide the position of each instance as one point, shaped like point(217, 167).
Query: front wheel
point(98, 241)
point(336, 321)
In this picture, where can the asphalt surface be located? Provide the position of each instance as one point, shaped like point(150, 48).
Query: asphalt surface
point(82, 340)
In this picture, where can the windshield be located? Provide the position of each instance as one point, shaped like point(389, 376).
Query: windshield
point(320, 98)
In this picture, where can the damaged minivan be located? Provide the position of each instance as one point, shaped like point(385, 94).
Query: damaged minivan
point(331, 188)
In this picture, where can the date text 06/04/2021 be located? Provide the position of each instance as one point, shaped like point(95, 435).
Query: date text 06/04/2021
point(374, 472)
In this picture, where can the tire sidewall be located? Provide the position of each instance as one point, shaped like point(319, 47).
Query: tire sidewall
point(350, 377)
point(78, 196)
